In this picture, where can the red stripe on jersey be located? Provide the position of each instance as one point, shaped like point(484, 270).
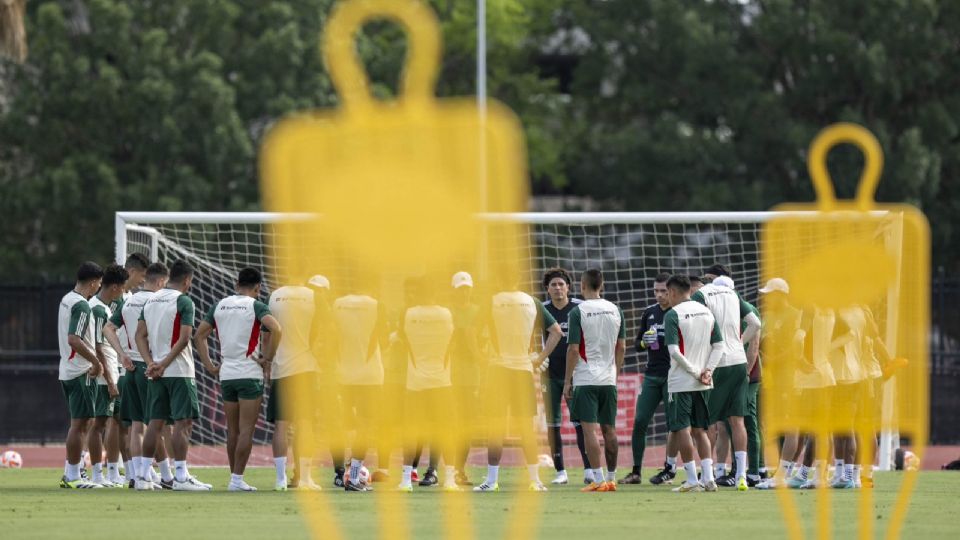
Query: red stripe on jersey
point(583, 347)
point(254, 337)
point(176, 331)
point(73, 352)
point(680, 335)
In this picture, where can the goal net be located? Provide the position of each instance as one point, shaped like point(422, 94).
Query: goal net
point(630, 249)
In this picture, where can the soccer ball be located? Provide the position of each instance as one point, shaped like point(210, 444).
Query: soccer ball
point(910, 461)
point(364, 476)
point(11, 459)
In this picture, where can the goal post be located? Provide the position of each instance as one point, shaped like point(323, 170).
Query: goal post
point(630, 248)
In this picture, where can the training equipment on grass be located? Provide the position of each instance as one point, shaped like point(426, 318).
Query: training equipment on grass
point(856, 306)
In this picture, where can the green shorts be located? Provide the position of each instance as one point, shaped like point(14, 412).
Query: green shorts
point(172, 398)
point(688, 409)
point(118, 401)
point(729, 395)
point(509, 392)
point(133, 405)
point(594, 405)
point(234, 390)
point(80, 393)
point(303, 385)
point(103, 404)
point(552, 396)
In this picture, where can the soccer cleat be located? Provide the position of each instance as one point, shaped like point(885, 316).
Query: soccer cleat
point(560, 479)
point(145, 485)
point(240, 486)
point(165, 484)
point(796, 482)
point(429, 479)
point(607, 487)
point(769, 483)
point(632, 478)
point(742, 484)
point(190, 484)
point(79, 483)
point(843, 483)
point(727, 480)
point(462, 480)
point(485, 487)
point(197, 480)
point(309, 485)
point(592, 487)
point(350, 486)
point(280, 486)
point(588, 477)
point(414, 476)
point(710, 486)
point(132, 484)
point(111, 484)
point(665, 476)
point(338, 480)
point(809, 484)
point(536, 486)
point(688, 488)
point(405, 488)
point(754, 482)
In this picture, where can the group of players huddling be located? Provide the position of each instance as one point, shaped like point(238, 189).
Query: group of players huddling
point(127, 371)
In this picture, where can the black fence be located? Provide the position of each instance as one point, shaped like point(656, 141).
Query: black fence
point(34, 410)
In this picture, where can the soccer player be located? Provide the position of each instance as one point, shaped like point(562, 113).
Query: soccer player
point(846, 357)
point(119, 333)
point(294, 372)
point(238, 320)
point(695, 345)
point(108, 385)
point(509, 392)
point(79, 366)
point(427, 331)
point(557, 283)
point(163, 339)
point(728, 400)
point(654, 389)
point(465, 363)
point(136, 267)
point(597, 343)
point(360, 330)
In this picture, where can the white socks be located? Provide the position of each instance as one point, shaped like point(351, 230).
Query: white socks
point(181, 470)
point(165, 473)
point(236, 479)
point(113, 472)
point(611, 475)
point(848, 471)
point(281, 464)
point(450, 476)
point(741, 458)
point(534, 472)
point(405, 480)
point(588, 475)
point(598, 475)
point(98, 473)
point(719, 469)
point(71, 471)
point(706, 467)
point(691, 469)
point(672, 463)
point(493, 474)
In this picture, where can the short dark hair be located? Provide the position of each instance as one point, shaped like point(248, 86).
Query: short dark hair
point(180, 270)
point(249, 277)
point(662, 277)
point(680, 283)
point(555, 273)
point(89, 271)
point(592, 279)
point(136, 261)
point(114, 274)
point(695, 279)
point(718, 270)
point(156, 271)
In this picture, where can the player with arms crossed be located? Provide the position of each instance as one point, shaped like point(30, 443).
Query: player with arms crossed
point(650, 338)
point(79, 365)
point(119, 332)
point(728, 400)
point(596, 344)
point(695, 345)
point(294, 373)
point(557, 282)
point(238, 320)
point(163, 339)
point(108, 392)
point(509, 393)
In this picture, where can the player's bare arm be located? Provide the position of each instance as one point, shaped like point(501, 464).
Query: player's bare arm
point(77, 344)
point(110, 333)
point(203, 348)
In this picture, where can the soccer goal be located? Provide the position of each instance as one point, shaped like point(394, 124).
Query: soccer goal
point(630, 248)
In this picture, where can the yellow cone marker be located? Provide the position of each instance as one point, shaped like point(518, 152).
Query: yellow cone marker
point(858, 274)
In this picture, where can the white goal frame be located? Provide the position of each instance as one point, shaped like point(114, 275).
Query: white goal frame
point(125, 221)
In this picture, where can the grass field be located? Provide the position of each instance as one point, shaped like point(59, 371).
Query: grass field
point(32, 506)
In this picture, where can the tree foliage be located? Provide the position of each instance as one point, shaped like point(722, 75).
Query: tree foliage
point(642, 105)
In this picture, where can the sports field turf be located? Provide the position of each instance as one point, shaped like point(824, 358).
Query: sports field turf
point(32, 506)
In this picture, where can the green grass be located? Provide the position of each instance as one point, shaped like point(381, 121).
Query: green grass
point(32, 506)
